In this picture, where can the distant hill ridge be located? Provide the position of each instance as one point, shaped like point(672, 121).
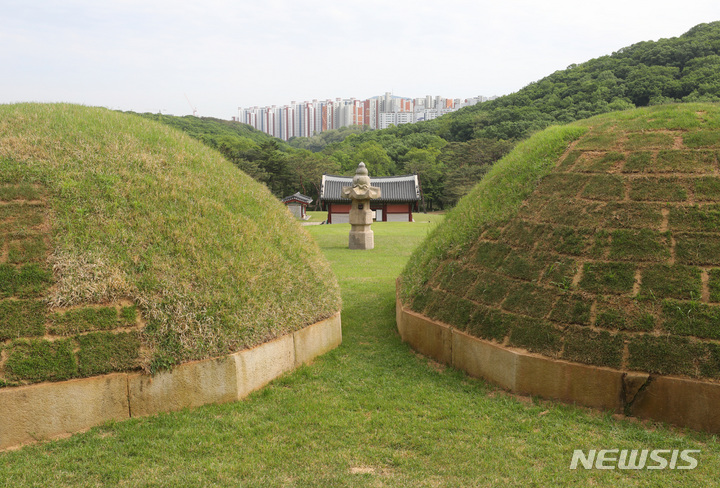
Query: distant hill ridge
point(452, 153)
point(678, 69)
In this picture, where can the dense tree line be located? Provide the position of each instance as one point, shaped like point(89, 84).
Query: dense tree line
point(284, 169)
point(451, 153)
point(681, 69)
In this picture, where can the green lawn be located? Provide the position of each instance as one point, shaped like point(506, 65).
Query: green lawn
point(321, 216)
point(370, 413)
point(316, 216)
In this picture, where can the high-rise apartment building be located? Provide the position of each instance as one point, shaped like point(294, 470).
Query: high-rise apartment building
point(309, 118)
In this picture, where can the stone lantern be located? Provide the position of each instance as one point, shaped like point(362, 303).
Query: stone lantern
point(361, 236)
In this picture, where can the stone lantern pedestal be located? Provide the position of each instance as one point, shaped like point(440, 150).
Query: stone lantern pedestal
point(361, 236)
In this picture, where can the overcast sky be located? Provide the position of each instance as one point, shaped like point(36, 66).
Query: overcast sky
point(154, 55)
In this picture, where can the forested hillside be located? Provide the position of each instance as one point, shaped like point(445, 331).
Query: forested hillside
point(680, 69)
point(452, 153)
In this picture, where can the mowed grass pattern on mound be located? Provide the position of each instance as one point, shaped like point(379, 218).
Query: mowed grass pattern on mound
point(370, 413)
point(610, 256)
point(125, 244)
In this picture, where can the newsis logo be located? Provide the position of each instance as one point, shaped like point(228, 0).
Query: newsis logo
point(635, 459)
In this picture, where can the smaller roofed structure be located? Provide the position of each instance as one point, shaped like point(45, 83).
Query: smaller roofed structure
point(399, 197)
point(297, 204)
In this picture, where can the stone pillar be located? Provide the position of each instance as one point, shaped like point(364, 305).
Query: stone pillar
point(361, 236)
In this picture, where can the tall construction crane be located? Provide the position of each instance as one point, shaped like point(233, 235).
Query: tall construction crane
point(191, 105)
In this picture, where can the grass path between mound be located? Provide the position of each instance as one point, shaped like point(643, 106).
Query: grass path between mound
point(370, 413)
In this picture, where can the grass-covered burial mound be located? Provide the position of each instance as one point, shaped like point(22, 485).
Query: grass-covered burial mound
point(595, 243)
point(125, 244)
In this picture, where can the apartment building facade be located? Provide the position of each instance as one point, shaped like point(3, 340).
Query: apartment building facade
point(309, 118)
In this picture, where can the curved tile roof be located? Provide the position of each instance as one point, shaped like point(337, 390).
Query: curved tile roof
point(404, 188)
point(299, 197)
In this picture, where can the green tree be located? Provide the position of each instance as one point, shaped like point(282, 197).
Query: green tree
point(274, 163)
point(645, 83)
point(701, 79)
point(424, 163)
point(375, 158)
point(465, 164)
point(459, 181)
point(686, 68)
point(307, 169)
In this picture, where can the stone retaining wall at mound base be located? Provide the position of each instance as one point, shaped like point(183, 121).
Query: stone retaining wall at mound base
point(50, 410)
point(676, 400)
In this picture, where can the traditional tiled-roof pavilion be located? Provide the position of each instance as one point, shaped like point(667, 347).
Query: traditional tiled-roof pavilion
point(400, 196)
point(297, 204)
